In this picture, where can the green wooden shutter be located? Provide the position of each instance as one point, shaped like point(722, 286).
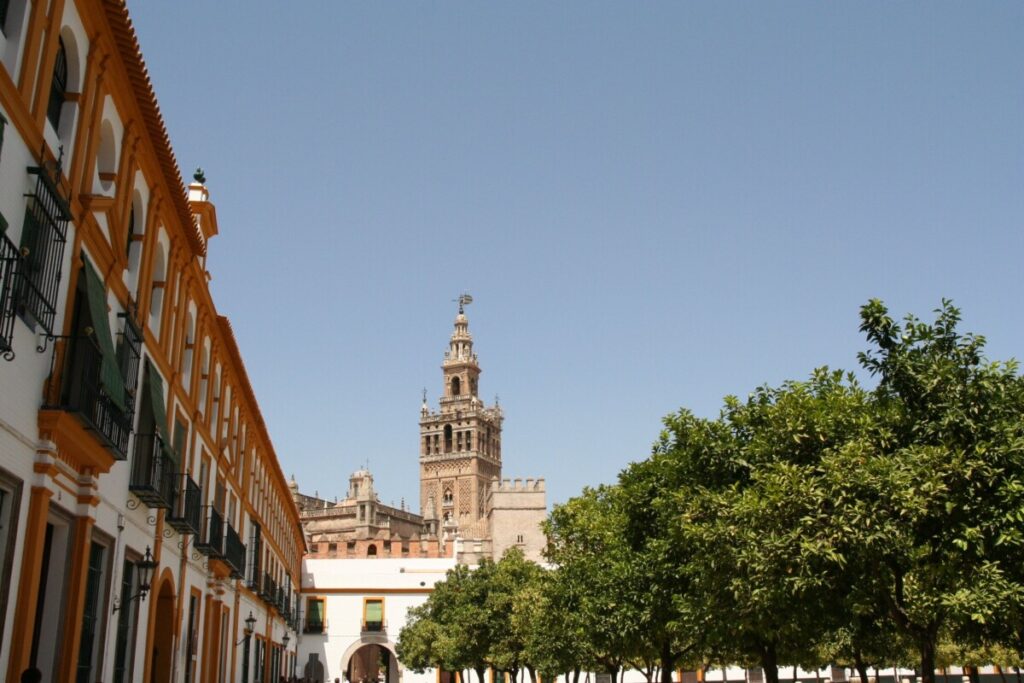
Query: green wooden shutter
point(315, 613)
point(110, 372)
point(156, 399)
point(374, 611)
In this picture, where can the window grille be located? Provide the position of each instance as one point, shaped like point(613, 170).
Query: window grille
point(8, 271)
point(42, 250)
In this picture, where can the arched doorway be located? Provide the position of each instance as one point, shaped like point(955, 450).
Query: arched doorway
point(163, 634)
point(371, 662)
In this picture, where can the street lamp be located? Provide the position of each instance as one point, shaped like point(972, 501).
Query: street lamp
point(284, 640)
point(145, 567)
point(250, 626)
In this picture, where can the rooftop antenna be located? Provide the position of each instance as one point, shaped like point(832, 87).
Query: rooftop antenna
point(424, 394)
point(464, 300)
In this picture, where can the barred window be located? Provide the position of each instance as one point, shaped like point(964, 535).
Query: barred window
point(58, 86)
point(42, 251)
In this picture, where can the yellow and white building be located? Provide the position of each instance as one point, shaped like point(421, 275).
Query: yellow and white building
point(130, 439)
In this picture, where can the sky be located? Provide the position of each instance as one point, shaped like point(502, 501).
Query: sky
point(653, 205)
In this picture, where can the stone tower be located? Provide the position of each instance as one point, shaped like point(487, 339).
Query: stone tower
point(460, 444)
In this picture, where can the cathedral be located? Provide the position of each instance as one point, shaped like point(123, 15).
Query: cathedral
point(466, 510)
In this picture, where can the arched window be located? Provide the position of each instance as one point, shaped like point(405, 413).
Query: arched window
point(447, 438)
point(58, 86)
point(371, 551)
point(131, 232)
point(456, 386)
point(448, 499)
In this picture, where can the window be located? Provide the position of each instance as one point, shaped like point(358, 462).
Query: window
point(448, 499)
point(42, 249)
point(127, 622)
point(447, 438)
point(332, 549)
point(373, 614)
point(456, 386)
point(58, 86)
point(10, 497)
point(8, 263)
point(92, 617)
point(3, 15)
point(131, 233)
point(314, 615)
point(371, 551)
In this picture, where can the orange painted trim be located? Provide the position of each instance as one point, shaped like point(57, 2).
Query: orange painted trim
point(319, 590)
point(44, 74)
point(74, 441)
point(27, 594)
point(33, 38)
point(153, 600)
point(74, 604)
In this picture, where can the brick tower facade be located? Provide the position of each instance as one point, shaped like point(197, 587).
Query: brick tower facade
point(460, 444)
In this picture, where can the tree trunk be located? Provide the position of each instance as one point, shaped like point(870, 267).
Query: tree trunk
point(480, 673)
point(795, 679)
point(862, 668)
point(575, 675)
point(770, 663)
point(928, 660)
point(972, 674)
point(533, 674)
point(615, 674)
point(1002, 676)
point(667, 661)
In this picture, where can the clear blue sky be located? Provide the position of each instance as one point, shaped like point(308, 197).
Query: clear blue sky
point(653, 204)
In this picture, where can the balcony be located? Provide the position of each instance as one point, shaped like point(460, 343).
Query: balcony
point(211, 540)
point(375, 627)
point(234, 552)
point(83, 394)
point(154, 475)
point(314, 626)
point(268, 591)
point(186, 515)
point(9, 260)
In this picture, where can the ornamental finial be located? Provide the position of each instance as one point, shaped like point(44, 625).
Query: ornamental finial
point(464, 300)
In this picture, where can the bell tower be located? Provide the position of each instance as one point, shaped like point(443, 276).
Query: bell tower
point(460, 443)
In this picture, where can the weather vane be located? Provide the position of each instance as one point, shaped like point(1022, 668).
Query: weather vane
point(464, 300)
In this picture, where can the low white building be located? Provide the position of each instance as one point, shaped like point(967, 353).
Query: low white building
point(353, 611)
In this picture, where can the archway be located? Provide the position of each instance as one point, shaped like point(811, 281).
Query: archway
point(163, 634)
point(371, 661)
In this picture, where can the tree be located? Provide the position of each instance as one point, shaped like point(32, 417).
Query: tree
point(931, 504)
point(592, 580)
point(752, 521)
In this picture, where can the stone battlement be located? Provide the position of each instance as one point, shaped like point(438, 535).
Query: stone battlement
point(517, 484)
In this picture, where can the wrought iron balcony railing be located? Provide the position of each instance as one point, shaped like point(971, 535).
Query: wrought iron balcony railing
point(186, 516)
point(269, 590)
point(9, 260)
point(374, 626)
point(154, 475)
point(82, 393)
point(234, 552)
point(315, 626)
point(211, 540)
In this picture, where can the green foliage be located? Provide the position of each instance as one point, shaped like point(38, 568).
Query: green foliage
point(813, 522)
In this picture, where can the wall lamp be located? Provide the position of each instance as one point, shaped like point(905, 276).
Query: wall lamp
point(250, 626)
point(145, 567)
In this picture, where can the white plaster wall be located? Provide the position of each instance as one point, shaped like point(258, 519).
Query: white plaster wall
point(344, 584)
